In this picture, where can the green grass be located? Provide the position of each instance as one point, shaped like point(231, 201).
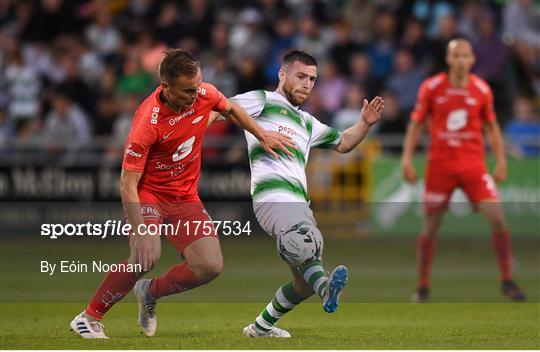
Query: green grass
point(218, 326)
point(467, 312)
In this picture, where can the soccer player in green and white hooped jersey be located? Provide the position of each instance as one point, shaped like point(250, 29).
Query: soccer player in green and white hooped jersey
point(279, 187)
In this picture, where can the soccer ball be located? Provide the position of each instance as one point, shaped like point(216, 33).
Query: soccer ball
point(300, 244)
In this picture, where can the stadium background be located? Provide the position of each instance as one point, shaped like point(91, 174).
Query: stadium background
point(74, 71)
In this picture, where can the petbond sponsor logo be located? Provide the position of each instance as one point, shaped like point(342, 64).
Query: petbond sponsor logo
point(176, 119)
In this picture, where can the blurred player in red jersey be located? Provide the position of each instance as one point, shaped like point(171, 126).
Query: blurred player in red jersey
point(160, 175)
point(459, 106)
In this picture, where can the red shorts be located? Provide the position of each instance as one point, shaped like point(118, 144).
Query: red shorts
point(181, 222)
point(443, 178)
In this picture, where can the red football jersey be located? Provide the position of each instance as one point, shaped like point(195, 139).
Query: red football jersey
point(166, 146)
point(456, 116)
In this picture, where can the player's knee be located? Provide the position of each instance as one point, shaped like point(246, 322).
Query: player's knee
point(207, 270)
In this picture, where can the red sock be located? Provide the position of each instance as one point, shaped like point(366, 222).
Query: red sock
point(502, 248)
point(179, 278)
point(113, 288)
point(425, 251)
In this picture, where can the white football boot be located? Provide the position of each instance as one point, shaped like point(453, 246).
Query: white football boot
point(252, 331)
point(87, 328)
point(147, 307)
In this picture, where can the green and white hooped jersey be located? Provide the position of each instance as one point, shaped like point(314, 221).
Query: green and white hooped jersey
point(282, 179)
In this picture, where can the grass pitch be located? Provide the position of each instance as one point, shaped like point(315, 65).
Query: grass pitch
point(219, 326)
point(467, 312)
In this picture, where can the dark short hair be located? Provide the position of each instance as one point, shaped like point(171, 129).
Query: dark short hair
point(297, 55)
point(176, 63)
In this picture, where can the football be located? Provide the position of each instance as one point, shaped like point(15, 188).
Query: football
point(300, 244)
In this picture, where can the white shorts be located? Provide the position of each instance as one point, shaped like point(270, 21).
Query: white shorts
point(275, 217)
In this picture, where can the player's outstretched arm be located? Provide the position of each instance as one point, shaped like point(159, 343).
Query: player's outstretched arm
point(269, 140)
point(352, 136)
point(494, 135)
point(143, 248)
point(413, 135)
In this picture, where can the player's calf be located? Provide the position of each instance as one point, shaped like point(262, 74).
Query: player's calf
point(204, 259)
point(302, 288)
point(285, 300)
point(206, 269)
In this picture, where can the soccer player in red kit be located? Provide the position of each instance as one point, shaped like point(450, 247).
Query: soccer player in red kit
point(458, 106)
point(160, 174)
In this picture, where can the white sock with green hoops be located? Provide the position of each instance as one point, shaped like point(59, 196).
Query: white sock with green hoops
point(286, 298)
point(283, 302)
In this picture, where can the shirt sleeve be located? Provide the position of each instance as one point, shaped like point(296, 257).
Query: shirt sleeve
point(253, 102)
point(219, 101)
point(487, 113)
point(142, 136)
point(323, 136)
point(422, 108)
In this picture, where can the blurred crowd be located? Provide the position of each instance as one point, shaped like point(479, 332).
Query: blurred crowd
point(74, 71)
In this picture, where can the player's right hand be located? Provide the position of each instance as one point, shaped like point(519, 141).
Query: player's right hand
point(372, 111)
point(275, 140)
point(144, 251)
point(409, 173)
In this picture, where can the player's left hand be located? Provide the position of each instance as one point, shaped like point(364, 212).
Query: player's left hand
point(274, 140)
point(372, 111)
point(499, 173)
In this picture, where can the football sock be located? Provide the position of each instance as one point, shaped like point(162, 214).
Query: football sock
point(315, 276)
point(284, 301)
point(502, 248)
point(179, 278)
point(113, 288)
point(425, 247)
